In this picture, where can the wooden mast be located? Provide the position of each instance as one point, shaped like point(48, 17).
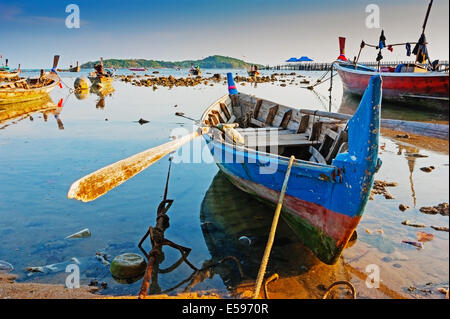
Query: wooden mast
point(423, 31)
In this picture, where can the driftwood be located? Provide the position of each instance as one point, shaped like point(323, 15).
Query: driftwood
point(419, 128)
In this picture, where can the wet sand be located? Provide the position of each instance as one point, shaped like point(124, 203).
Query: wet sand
point(425, 142)
point(9, 289)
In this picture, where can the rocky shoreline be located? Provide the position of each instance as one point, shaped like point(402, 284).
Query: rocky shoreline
point(150, 80)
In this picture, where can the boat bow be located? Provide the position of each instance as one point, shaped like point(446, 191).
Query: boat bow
point(361, 161)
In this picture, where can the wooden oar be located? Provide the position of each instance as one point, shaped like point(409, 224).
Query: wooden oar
point(103, 180)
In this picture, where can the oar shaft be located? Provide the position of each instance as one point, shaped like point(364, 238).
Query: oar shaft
point(103, 180)
point(273, 229)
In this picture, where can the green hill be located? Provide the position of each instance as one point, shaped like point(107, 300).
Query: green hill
point(211, 62)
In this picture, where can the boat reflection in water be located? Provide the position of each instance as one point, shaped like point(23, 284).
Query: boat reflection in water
point(14, 112)
point(390, 110)
point(236, 224)
point(102, 91)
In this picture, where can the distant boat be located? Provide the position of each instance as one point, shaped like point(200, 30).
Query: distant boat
point(138, 69)
point(252, 73)
point(5, 67)
point(99, 77)
point(7, 74)
point(416, 82)
point(195, 71)
point(331, 178)
point(411, 83)
point(71, 69)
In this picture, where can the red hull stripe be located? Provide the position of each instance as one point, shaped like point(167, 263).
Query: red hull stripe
point(437, 86)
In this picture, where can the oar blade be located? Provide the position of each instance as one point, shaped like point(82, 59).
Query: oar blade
point(103, 180)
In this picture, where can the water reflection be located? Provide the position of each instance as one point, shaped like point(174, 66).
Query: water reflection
point(405, 112)
point(15, 112)
point(102, 92)
point(229, 216)
point(411, 164)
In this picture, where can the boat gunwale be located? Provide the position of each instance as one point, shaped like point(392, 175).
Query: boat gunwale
point(338, 66)
point(282, 159)
point(42, 89)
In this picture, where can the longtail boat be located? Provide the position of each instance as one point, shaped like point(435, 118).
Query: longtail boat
point(253, 71)
point(195, 71)
point(427, 88)
point(332, 175)
point(7, 74)
point(28, 89)
point(71, 69)
point(422, 82)
point(100, 76)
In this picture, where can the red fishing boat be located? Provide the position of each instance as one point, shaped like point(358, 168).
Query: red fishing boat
point(427, 88)
point(420, 83)
point(138, 69)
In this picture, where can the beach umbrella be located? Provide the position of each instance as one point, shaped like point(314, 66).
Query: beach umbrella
point(292, 60)
point(304, 59)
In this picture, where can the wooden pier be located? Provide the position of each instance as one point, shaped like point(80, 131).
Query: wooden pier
point(322, 66)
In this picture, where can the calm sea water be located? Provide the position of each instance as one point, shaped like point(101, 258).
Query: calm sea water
point(39, 161)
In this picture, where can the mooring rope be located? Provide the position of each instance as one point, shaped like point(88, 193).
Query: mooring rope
point(320, 80)
point(273, 229)
point(61, 80)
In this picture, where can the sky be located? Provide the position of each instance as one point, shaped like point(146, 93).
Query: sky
point(258, 31)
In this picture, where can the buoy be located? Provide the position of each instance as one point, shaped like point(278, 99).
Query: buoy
point(81, 94)
point(81, 83)
point(128, 265)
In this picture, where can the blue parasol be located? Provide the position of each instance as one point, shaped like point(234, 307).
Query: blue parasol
point(304, 59)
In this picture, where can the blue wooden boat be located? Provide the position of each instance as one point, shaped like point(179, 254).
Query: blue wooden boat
point(251, 140)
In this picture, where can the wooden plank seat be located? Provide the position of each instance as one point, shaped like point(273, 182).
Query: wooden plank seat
point(282, 138)
point(263, 131)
